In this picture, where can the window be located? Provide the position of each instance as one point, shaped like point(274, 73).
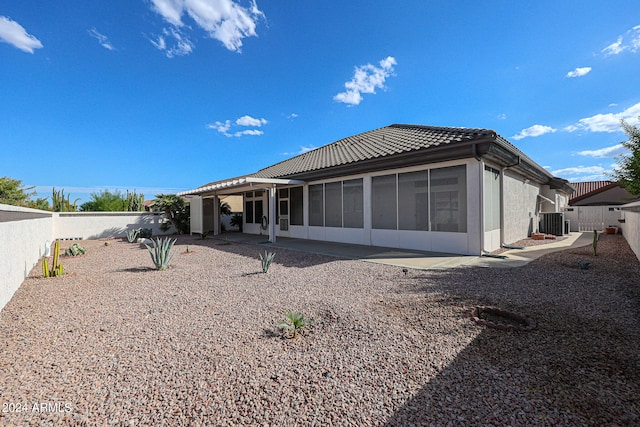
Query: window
point(449, 199)
point(413, 201)
point(491, 199)
point(316, 205)
point(295, 206)
point(333, 204)
point(258, 209)
point(384, 202)
point(352, 203)
point(248, 211)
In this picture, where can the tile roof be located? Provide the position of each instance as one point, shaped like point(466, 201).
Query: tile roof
point(586, 188)
point(377, 143)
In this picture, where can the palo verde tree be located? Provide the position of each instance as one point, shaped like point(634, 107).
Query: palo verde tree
point(12, 192)
point(627, 172)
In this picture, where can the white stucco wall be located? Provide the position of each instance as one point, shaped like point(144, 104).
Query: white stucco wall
point(520, 201)
point(589, 218)
point(96, 225)
point(22, 243)
point(631, 228)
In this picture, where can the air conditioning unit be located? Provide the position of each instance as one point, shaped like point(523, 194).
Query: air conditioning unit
point(552, 223)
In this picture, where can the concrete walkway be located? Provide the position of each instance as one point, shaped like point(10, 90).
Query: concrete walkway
point(410, 258)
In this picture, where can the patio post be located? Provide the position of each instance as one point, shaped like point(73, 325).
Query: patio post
point(216, 215)
point(272, 214)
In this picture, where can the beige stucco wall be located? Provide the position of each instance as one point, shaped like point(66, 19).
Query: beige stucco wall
point(96, 225)
point(631, 228)
point(520, 199)
point(23, 234)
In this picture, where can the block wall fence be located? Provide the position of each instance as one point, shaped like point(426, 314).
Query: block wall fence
point(25, 232)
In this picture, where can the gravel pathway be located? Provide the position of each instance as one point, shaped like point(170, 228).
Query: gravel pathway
point(116, 343)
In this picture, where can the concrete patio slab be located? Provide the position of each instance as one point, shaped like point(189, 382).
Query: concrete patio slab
point(410, 258)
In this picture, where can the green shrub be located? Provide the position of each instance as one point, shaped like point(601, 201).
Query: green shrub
point(161, 254)
point(236, 221)
point(145, 233)
point(266, 260)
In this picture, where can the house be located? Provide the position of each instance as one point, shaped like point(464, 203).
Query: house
point(599, 193)
point(442, 189)
point(596, 205)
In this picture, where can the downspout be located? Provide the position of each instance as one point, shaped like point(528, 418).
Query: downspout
point(474, 150)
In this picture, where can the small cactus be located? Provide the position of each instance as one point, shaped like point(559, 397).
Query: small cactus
point(56, 269)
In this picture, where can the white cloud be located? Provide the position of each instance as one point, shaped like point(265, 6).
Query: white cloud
point(502, 116)
point(629, 41)
point(180, 45)
point(246, 121)
point(13, 33)
point(579, 72)
point(614, 48)
point(303, 149)
point(535, 130)
point(613, 151)
point(609, 122)
point(579, 170)
point(102, 39)
point(250, 121)
point(366, 79)
point(292, 116)
point(223, 20)
point(254, 132)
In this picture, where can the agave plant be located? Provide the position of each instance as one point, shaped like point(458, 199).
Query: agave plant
point(161, 254)
point(132, 235)
point(266, 260)
point(294, 323)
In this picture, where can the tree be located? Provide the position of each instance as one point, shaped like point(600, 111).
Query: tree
point(175, 210)
point(627, 173)
point(12, 192)
point(104, 201)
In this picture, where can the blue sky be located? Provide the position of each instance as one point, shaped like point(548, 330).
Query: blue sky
point(166, 95)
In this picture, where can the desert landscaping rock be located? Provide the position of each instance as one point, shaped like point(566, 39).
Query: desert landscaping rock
point(117, 343)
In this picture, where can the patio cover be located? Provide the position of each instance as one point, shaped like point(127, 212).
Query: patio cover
point(242, 184)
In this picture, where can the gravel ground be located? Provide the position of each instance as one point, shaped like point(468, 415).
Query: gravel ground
point(116, 343)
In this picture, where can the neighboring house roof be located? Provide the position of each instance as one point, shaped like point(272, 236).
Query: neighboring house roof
point(600, 193)
point(585, 189)
point(401, 145)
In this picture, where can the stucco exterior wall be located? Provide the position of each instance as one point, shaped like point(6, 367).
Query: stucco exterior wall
point(23, 234)
point(97, 225)
point(631, 228)
point(520, 204)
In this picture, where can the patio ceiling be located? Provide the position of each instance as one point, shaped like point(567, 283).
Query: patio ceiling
point(238, 185)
